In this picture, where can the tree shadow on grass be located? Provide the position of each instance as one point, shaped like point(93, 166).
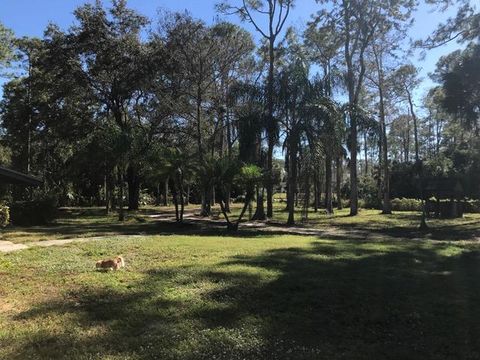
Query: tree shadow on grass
point(464, 231)
point(159, 227)
point(331, 300)
point(409, 228)
point(102, 322)
point(151, 221)
point(361, 304)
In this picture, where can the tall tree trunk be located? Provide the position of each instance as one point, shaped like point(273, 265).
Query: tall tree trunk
point(354, 87)
point(248, 200)
point(229, 154)
point(30, 113)
point(415, 128)
point(437, 136)
point(229, 135)
point(175, 202)
point(187, 197)
point(292, 182)
point(165, 197)
point(407, 139)
point(206, 191)
point(353, 168)
point(339, 179)
point(286, 168)
point(353, 102)
point(107, 195)
point(260, 209)
point(365, 151)
point(387, 205)
point(206, 199)
point(227, 198)
point(321, 182)
point(113, 192)
point(182, 203)
point(182, 198)
point(121, 212)
point(230, 226)
point(271, 127)
point(419, 165)
point(328, 183)
point(158, 199)
point(306, 199)
point(133, 181)
point(380, 169)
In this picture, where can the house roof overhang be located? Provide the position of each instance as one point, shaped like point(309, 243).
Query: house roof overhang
point(8, 176)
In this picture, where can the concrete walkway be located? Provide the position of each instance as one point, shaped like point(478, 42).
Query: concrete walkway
point(8, 246)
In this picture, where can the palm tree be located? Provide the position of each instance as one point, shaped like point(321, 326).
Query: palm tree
point(248, 100)
point(310, 117)
point(292, 88)
point(177, 166)
point(224, 173)
point(325, 131)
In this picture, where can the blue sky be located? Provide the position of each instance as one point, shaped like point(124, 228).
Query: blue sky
point(30, 17)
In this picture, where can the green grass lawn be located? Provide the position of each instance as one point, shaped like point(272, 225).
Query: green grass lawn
point(198, 296)
point(91, 222)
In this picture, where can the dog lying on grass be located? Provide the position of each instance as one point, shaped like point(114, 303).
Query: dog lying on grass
point(110, 264)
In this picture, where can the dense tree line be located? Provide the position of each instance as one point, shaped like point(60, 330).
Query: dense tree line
point(120, 106)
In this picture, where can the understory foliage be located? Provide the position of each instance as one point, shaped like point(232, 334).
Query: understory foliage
point(4, 215)
point(41, 210)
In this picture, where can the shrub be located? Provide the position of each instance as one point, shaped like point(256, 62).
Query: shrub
point(4, 215)
point(146, 198)
point(280, 197)
point(361, 204)
point(404, 204)
point(239, 199)
point(472, 206)
point(40, 211)
point(368, 193)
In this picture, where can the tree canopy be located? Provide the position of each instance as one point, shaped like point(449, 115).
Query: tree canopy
point(123, 108)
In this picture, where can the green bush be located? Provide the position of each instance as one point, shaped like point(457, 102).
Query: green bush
point(4, 215)
point(40, 211)
point(404, 204)
point(361, 204)
point(472, 206)
point(368, 193)
point(146, 198)
point(239, 199)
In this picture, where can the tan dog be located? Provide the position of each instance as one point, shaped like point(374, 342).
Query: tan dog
point(110, 264)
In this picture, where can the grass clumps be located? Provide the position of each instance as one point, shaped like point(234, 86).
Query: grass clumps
point(201, 296)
